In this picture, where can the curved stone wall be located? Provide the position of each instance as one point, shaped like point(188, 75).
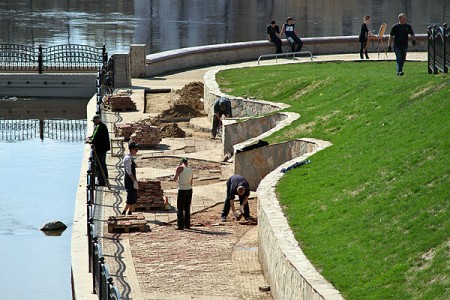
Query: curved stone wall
point(241, 107)
point(289, 272)
point(254, 165)
point(237, 135)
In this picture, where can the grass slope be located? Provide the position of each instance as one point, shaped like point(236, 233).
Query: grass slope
point(372, 211)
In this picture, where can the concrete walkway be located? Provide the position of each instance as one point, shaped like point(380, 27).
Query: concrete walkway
point(214, 262)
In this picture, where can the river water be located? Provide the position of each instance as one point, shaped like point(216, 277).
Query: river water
point(39, 184)
point(39, 181)
point(40, 176)
point(171, 24)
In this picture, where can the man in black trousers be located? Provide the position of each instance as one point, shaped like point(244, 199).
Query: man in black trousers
point(237, 185)
point(273, 35)
point(100, 143)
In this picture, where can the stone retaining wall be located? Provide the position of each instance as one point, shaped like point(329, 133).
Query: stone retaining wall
point(255, 164)
point(237, 135)
point(241, 107)
point(289, 272)
point(243, 130)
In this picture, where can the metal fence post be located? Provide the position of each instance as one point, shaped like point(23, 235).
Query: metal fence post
point(40, 59)
point(444, 46)
point(91, 243)
point(95, 263)
point(101, 262)
point(429, 50)
point(433, 46)
point(104, 55)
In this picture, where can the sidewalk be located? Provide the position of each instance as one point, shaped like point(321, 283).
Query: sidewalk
point(206, 262)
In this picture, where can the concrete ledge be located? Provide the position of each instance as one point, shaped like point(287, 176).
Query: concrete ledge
point(185, 58)
point(81, 278)
point(289, 272)
point(81, 85)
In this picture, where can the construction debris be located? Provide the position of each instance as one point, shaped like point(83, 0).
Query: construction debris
point(118, 103)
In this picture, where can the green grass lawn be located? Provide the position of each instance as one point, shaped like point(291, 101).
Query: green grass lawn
point(371, 212)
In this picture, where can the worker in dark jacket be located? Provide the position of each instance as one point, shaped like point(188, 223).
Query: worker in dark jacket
point(236, 185)
point(222, 107)
point(100, 143)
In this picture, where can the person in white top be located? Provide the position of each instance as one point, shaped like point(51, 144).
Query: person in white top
point(131, 183)
point(184, 175)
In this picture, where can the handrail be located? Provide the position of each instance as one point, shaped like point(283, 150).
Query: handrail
point(99, 92)
point(102, 283)
point(73, 57)
point(285, 54)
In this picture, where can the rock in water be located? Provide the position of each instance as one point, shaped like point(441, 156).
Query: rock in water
point(54, 225)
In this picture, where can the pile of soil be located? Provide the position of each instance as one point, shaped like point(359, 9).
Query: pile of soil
point(180, 111)
point(187, 106)
point(191, 94)
point(171, 130)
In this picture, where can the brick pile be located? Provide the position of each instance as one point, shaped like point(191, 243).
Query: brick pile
point(146, 135)
point(150, 195)
point(126, 223)
point(124, 130)
point(118, 103)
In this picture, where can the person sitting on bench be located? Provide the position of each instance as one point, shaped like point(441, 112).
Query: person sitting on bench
point(273, 35)
point(289, 30)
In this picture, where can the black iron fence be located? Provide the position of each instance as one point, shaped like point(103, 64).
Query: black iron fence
point(438, 48)
point(69, 57)
point(55, 129)
point(102, 282)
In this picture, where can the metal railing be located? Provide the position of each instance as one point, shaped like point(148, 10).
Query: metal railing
point(438, 49)
point(285, 54)
point(102, 282)
point(55, 129)
point(99, 81)
point(69, 57)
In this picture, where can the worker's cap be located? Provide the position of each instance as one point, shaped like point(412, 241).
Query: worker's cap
point(133, 145)
point(183, 160)
point(289, 18)
point(96, 117)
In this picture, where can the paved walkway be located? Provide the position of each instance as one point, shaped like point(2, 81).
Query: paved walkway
point(206, 262)
point(212, 262)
